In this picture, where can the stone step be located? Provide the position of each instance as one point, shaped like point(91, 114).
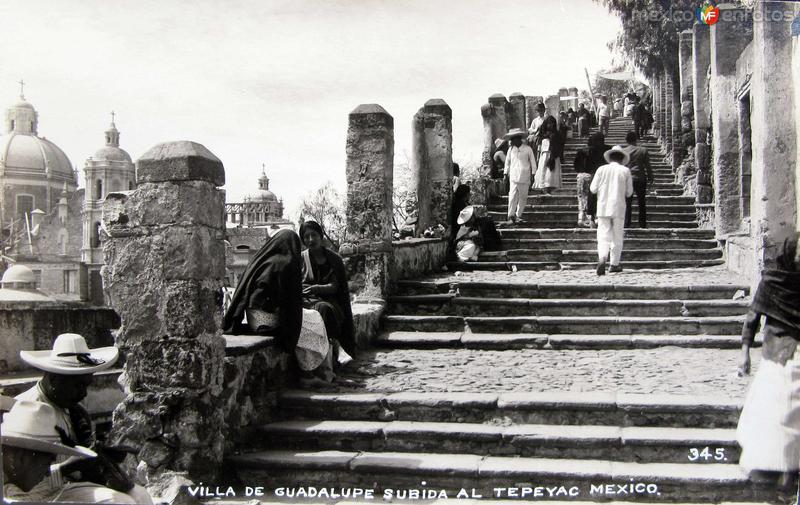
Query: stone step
point(533, 215)
point(589, 256)
point(660, 190)
point(613, 443)
point(538, 199)
point(509, 341)
point(558, 223)
point(571, 208)
point(573, 233)
point(395, 473)
point(447, 304)
point(580, 291)
point(554, 408)
point(588, 265)
point(590, 325)
point(588, 244)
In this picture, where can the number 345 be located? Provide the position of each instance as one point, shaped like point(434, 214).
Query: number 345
point(705, 454)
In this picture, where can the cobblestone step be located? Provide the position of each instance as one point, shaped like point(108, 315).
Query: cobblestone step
point(535, 215)
point(544, 222)
point(571, 207)
point(573, 233)
point(510, 266)
point(448, 304)
point(508, 341)
point(589, 256)
point(560, 199)
point(512, 289)
point(638, 444)
point(608, 325)
point(552, 408)
point(590, 244)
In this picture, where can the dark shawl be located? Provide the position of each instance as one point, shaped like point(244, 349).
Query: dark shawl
point(778, 293)
point(341, 299)
point(590, 159)
point(272, 281)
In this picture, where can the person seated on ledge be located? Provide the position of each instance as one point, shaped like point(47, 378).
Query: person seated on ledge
point(68, 369)
point(269, 297)
point(31, 445)
point(469, 241)
point(325, 288)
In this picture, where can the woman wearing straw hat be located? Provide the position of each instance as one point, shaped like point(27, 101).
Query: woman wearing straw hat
point(30, 445)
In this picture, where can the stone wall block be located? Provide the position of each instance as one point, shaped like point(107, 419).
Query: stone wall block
point(180, 161)
point(192, 253)
point(552, 105)
point(432, 165)
point(516, 116)
point(190, 308)
point(188, 202)
point(176, 362)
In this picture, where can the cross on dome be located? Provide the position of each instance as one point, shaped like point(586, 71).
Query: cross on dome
point(22, 89)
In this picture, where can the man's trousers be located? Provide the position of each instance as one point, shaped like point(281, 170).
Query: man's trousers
point(610, 234)
point(517, 198)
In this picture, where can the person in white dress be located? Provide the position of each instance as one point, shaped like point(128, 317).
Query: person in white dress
point(551, 150)
point(518, 171)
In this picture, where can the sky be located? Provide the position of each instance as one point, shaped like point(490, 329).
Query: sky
point(272, 82)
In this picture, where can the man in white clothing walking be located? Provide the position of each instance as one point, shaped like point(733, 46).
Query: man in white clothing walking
point(614, 185)
point(518, 170)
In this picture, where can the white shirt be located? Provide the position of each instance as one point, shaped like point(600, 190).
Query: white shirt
point(602, 110)
point(613, 184)
point(536, 124)
point(519, 164)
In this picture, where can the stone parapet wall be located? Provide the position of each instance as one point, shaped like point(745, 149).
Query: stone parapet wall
point(418, 257)
point(740, 257)
point(705, 216)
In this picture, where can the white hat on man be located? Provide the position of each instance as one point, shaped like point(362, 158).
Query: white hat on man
point(71, 356)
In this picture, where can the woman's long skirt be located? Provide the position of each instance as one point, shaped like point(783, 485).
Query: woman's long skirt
point(547, 178)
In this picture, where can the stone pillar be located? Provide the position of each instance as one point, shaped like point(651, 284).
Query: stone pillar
point(495, 126)
point(369, 170)
point(685, 59)
point(668, 106)
point(701, 59)
point(729, 37)
point(677, 145)
point(432, 165)
point(530, 108)
point(774, 163)
point(562, 93)
point(516, 111)
point(574, 102)
point(499, 123)
point(552, 104)
point(164, 266)
point(655, 89)
point(795, 65)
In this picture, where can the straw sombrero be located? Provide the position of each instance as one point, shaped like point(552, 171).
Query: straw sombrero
point(515, 132)
point(71, 356)
point(617, 149)
point(466, 214)
point(31, 425)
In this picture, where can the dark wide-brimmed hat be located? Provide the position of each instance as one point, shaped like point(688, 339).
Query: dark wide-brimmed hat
point(71, 356)
point(617, 149)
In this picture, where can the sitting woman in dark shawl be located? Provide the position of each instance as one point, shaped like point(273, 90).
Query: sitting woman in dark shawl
point(485, 224)
point(325, 286)
point(270, 297)
point(769, 426)
point(270, 293)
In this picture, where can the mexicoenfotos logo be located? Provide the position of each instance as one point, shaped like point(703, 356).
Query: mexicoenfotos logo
point(708, 13)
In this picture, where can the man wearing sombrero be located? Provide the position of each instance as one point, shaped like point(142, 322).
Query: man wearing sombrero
point(68, 369)
point(613, 185)
point(518, 170)
point(30, 445)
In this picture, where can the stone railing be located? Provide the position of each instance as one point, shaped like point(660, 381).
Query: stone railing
point(418, 257)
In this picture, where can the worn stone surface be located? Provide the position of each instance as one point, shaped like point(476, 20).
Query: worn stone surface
point(162, 275)
point(417, 257)
point(552, 105)
point(530, 108)
point(687, 88)
point(179, 161)
point(728, 39)
point(574, 102)
point(774, 159)
point(795, 65)
point(432, 166)
point(369, 171)
point(516, 111)
point(701, 59)
point(367, 322)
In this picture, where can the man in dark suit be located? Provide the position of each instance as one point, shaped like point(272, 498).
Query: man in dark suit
point(642, 175)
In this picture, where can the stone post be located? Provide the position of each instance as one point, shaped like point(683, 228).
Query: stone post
point(369, 171)
point(516, 111)
point(432, 165)
point(530, 108)
point(495, 126)
point(774, 162)
point(552, 104)
point(668, 105)
point(729, 37)
point(164, 266)
point(562, 93)
point(574, 102)
point(795, 65)
point(656, 93)
point(677, 144)
point(701, 59)
point(687, 92)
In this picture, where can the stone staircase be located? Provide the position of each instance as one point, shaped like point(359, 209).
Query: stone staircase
point(539, 383)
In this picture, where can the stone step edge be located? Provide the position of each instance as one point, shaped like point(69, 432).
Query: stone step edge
point(557, 302)
point(568, 286)
point(638, 265)
point(512, 341)
point(528, 401)
point(410, 463)
point(575, 319)
point(543, 433)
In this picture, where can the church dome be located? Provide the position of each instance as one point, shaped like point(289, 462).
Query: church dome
point(32, 155)
point(22, 104)
point(111, 153)
point(261, 196)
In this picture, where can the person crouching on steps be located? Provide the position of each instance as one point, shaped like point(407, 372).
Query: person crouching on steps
point(519, 167)
point(468, 240)
point(613, 185)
